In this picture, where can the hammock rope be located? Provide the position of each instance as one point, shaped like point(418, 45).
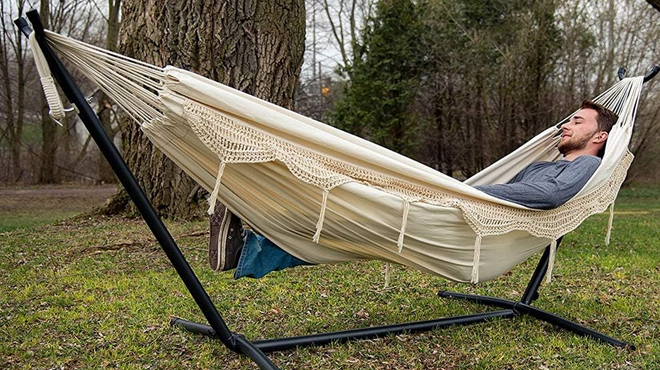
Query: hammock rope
point(47, 82)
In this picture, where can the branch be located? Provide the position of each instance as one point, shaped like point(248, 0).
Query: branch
point(339, 38)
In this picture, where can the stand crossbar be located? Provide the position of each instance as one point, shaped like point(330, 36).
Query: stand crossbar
point(282, 344)
point(217, 327)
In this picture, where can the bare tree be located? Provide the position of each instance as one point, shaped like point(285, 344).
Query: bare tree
point(105, 111)
point(255, 46)
point(13, 67)
point(48, 129)
point(599, 40)
point(76, 18)
point(345, 19)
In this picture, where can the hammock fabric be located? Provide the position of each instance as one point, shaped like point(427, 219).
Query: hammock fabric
point(326, 196)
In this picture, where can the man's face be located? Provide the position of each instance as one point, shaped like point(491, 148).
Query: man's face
point(578, 131)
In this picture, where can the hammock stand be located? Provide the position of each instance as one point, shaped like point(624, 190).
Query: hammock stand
point(256, 349)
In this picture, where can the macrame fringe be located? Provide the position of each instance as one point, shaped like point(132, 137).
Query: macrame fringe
point(319, 224)
point(388, 266)
point(214, 195)
point(609, 225)
point(404, 222)
point(475, 261)
point(551, 261)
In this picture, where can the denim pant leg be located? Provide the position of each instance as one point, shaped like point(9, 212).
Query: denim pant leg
point(261, 256)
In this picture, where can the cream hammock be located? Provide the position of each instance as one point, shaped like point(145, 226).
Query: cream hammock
point(326, 196)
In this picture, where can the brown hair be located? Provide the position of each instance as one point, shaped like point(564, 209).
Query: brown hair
point(605, 118)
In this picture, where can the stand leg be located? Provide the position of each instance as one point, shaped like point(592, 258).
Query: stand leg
point(531, 294)
point(479, 299)
point(570, 325)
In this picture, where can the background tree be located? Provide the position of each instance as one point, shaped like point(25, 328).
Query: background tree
point(254, 46)
point(486, 84)
point(377, 102)
point(105, 111)
point(75, 18)
point(492, 74)
point(333, 43)
point(13, 68)
point(28, 136)
point(48, 128)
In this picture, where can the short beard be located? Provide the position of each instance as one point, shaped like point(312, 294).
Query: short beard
point(566, 147)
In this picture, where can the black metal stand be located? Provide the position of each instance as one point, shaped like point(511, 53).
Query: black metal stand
point(523, 306)
point(511, 309)
point(218, 328)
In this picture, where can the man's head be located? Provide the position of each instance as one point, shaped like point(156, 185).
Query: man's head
point(587, 131)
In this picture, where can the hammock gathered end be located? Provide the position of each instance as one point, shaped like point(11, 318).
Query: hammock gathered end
point(280, 158)
point(47, 82)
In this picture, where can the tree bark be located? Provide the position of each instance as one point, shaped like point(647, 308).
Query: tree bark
point(254, 46)
point(48, 128)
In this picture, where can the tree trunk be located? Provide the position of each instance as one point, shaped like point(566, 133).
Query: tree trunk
point(48, 128)
point(105, 173)
point(18, 128)
point(8, 102)
point(13, 109)
point(254, 46)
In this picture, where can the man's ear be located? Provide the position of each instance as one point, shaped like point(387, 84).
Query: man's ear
point(601, 137)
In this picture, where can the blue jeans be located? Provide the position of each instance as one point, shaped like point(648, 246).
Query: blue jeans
point(261, 256)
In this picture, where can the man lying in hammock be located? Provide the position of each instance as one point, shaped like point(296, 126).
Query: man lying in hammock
point(541, 185)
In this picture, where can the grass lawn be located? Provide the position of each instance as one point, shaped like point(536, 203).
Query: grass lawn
point(94, 292)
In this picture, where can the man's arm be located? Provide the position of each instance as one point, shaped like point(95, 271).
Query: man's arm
point(550, 193)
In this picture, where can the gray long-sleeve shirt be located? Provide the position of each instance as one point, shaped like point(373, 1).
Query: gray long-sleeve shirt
point(546, 185)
